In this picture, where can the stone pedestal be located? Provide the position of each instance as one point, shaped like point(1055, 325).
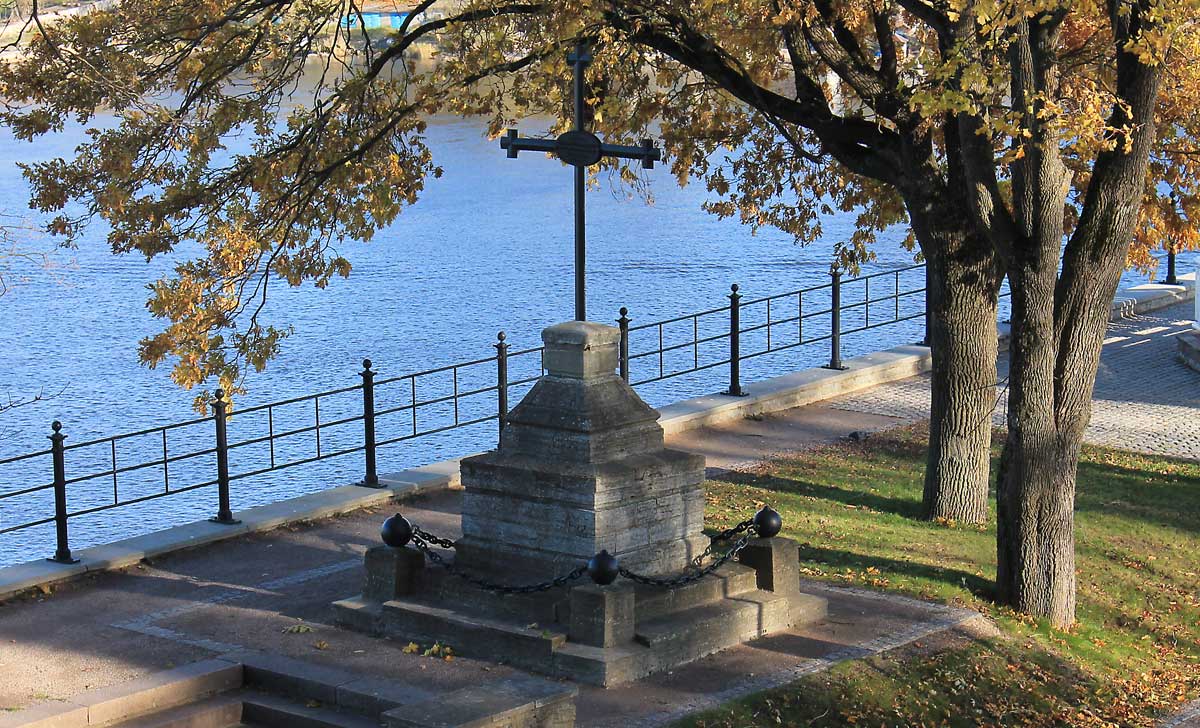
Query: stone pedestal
point(776, 563)
point(581, 467)
point(392, 572)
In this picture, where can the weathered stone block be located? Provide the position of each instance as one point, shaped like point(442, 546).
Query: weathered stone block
point(777, 563)
point(603, 616)
point(392, 572)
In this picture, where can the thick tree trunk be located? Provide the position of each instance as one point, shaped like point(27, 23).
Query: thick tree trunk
point(1035, 485)
point(964, 283)
point(963, 389)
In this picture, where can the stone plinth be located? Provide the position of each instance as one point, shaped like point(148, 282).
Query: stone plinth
point(581, 467)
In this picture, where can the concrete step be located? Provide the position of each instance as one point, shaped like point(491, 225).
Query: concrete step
point(692, 633)
point(273, 711)
point(221, 711)
point(731, 579)
point(467, 634)
point(516, 701)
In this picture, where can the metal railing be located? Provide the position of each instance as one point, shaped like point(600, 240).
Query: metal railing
point(460, 395)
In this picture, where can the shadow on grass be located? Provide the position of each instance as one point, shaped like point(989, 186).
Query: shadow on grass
point(956, 578)
point(1171, 500)
point(906, 507)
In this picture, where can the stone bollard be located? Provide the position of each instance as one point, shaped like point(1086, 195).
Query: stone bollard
point(392, 572)
point(776, 562)
point(602, 616)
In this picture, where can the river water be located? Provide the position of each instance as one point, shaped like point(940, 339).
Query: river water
point(487, 248)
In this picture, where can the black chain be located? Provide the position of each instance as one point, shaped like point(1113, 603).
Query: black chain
point(696, 571)
point(746, 525)
point(429, 537)
point(420, 539)
point(690, 576)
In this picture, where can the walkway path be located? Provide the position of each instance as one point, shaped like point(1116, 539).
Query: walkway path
point(1145, 399)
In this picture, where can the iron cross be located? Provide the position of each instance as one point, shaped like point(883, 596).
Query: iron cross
point(580, 148)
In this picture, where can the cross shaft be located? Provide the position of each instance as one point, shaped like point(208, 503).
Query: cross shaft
point(580, 148)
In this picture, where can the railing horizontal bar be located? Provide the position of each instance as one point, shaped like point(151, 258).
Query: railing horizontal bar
point(789, 294)
point(135, 501)
point(25, 491)
point(467, 423)
point(27, 456)
point(31, 524)
point(534, 350)
point(700, 368)
point(293, 400)
point(138, 433)
point(889, 322)
point(891, 272)
point(294, 463)
point(677, 319)
point(438, 370)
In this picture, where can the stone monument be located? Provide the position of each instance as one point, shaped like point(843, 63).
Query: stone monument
point(581, 468)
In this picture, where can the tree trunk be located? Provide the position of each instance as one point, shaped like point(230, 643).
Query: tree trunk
point(963, 390)
point(964, 282)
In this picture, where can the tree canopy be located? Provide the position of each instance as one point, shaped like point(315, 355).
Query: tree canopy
point(1015, 137)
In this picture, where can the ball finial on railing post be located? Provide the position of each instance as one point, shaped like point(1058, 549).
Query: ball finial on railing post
point(603, 568)
point(396, 531)
point(767, 522)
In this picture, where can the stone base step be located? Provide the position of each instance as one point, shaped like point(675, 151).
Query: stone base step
point(517, 701)
point(729, 580)
point(257, 689)
point(273, 711)
point(222, 711)
point(673, 627)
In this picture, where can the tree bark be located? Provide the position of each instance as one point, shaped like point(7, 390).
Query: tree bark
point(962, 337)
point(964, 283)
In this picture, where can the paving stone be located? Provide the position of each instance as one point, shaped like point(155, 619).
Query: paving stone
point(1145, 398)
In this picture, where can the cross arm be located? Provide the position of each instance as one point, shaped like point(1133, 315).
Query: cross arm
point(646, 152)
point(514, 144)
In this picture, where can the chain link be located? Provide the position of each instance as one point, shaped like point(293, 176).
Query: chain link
point(421, 540)
point(691, 576)
point(698, 562)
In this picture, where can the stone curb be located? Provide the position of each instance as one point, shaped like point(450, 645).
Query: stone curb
point(771, 395)
point(1152, 296)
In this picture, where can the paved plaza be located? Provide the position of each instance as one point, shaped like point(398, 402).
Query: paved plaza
point(1145, 398)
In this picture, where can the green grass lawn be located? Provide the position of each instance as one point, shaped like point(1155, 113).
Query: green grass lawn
point(854, 508)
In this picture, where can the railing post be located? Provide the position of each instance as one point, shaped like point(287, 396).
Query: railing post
point(502, 379)
point(623, 354)
point(62, 552)
point(735, 343)
point(371, 478)
point(1171, 280)
point(224, 514)
point(835, 325)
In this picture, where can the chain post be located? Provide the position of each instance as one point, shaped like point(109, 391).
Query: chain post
point(1172, 279)
point(835, 325)
point(735, 343)
point(502, 379)
point(220, 415)
point(371, 478)
point(62, 552)
point(623, 323)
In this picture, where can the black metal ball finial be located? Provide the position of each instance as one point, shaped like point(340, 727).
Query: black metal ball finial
point(396, 531)
point(767, 522)
point(603, 568)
